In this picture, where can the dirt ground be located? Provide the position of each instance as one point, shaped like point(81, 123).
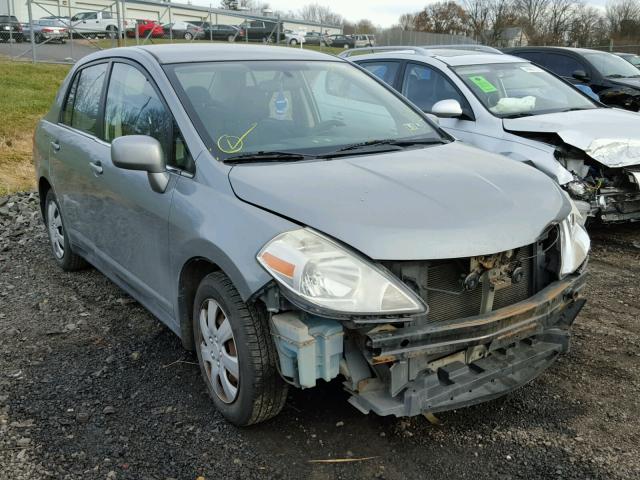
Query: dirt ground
point(93, 387)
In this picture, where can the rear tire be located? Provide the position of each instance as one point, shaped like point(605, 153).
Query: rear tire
point(58, 238)
point(257, 393)
point(293, 42)
point(112, 31)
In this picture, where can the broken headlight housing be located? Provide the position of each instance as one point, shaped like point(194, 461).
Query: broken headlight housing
point(574, 242)
point(332, 278)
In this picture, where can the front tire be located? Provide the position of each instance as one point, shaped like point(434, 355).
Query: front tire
point(231, 38)
point(112, 31)
point(236, 354)
point(58, 238)
point(188, 36)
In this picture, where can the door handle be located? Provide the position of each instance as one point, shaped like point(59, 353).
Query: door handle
point(96, 167)
point(55, 145)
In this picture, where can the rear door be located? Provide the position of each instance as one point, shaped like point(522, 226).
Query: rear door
point(77, 152)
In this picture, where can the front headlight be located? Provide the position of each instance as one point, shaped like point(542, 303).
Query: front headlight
point(327, 275)
point(574, 242)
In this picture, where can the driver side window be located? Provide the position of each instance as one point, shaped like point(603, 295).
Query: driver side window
point(426, 86)
point(133, 107)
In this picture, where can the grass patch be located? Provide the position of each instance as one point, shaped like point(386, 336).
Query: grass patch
point(27, 93)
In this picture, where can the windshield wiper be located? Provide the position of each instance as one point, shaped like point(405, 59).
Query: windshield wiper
point(372, 146)
point(266, 156)
point(615, 75)
point(519, 115)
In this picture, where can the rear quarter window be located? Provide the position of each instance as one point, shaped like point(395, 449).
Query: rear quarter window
point(82, 105)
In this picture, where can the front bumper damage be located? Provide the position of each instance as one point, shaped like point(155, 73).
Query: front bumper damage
point(453, 364)
point(618, 206)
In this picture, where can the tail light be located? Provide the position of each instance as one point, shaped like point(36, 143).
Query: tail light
point(47, 30)
point(19, 27)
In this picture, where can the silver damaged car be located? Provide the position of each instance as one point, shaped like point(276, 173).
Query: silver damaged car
point(510, 106)
point(293, 220)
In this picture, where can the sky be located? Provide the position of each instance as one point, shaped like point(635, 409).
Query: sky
point(382, 13)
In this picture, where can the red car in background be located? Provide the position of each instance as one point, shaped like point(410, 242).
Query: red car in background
point(146, 26)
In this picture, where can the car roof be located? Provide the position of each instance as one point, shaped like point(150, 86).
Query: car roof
point(211, 52)
point(449, 56)
point(566, 49)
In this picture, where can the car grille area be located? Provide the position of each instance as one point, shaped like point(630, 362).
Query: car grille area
point(503, 279)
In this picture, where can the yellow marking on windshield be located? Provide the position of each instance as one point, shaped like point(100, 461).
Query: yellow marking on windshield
point(231, 143)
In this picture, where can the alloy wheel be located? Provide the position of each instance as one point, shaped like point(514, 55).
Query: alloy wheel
point(56, 229)
point(218, 351)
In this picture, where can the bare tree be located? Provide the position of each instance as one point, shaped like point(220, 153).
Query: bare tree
point(623, 17)
point(442, 17)
point(502, 15)
point(585, 28)
point(558, 20)
point(315, 12)
point(532, 14)
point(365, 26)
point(407, 21)
point(478, 15)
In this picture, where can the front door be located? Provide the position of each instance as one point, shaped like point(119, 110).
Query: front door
point(134, 228)
point(425, 86)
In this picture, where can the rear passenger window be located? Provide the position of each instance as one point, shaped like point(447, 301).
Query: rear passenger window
point(133, 107)
point(83, 101)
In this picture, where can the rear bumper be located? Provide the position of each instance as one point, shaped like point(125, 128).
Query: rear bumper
point(516, 344)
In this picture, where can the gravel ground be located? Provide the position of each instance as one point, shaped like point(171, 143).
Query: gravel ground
point(93, 387)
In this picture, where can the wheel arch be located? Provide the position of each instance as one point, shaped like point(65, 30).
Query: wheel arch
point(191, 274)
point(43, 188)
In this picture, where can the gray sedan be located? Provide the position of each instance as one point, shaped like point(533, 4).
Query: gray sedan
point(294, 220)
point(46, 30)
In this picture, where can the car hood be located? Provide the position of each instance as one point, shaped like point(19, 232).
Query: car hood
point(447, 201)
point(609, 135)
point(627, 82)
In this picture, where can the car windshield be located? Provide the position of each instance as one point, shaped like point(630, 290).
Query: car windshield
point(611, 66)
point(303, 107)
point(519, 89)
point(633, 60)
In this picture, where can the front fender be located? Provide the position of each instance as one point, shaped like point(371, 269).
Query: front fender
point(214, 224)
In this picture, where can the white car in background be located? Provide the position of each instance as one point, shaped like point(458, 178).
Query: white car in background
point(294, 38)
point(507, 105)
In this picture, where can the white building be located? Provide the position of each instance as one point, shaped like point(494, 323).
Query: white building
point(148, 10)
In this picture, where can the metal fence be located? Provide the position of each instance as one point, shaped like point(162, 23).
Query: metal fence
point(58, 31)
point(397, 36)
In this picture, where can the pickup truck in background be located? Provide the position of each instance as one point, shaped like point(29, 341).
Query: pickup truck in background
point(98, 24)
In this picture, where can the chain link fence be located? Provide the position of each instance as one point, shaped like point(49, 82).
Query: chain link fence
point(63, 31)
point(398, 36)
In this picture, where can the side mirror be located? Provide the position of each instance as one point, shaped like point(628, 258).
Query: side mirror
point(580, 75)
point(447, 109)
point(140, 152)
